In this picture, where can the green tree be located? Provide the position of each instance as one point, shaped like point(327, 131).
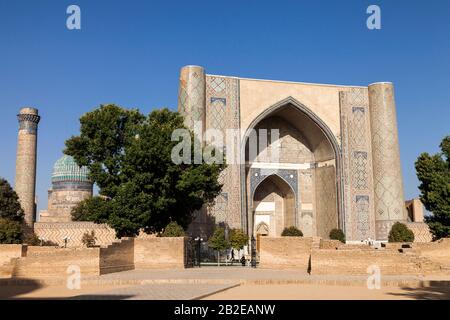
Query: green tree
point(292, 232)
point(238, 239)
point(400, 233)
point(433, 172)
point(89, 239)
point(10, 207)
point(92, 209)
point(129, 157)
point(173, 229)
point(218, 242)
point(10, 231)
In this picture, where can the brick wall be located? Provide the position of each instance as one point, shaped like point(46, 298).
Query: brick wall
point(158, 252)
point(285, 252)
point(438, 251)
point(9, 251)
point(356, 262)
point(117, 257)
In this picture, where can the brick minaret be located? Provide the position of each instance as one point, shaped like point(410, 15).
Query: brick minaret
point(26, 162)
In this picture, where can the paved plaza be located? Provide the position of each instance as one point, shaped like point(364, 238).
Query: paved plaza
point(229, 283)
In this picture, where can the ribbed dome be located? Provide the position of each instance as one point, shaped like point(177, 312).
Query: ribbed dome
point(66, 169)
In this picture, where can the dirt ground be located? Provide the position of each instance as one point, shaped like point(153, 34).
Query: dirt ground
point(324, 292)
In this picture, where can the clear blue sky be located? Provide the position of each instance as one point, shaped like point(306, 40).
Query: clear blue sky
point(130, 52)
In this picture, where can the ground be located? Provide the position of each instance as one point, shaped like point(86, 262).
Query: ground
point(232, 283)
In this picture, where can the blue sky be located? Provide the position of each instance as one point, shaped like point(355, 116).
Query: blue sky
point(130, 53)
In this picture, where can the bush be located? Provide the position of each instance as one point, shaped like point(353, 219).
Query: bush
point(10, 231)
point(173, 229)
point(89, 239)
point(292, 232)
point(337, 234)
point(400, 233)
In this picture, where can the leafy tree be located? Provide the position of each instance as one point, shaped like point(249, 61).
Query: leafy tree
point(292, 232)
point(173, 229)
point(10, 207)
point(433, 172)
point(10, 231)
point(337, 234)
point(92, 209)
point(129, 156)
point(400, 233)
point(218, 242)
point(238, 239)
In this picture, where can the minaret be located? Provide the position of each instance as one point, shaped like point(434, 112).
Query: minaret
point(387, 171)
point(26, 163)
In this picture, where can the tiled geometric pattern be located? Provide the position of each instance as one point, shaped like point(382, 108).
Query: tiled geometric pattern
point(191, 95)
point(357, 163)
point(222, 112)
point(388, 186)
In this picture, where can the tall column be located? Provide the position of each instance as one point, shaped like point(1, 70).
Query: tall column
point(387, 172)
point(191, 97)
point(26, 163)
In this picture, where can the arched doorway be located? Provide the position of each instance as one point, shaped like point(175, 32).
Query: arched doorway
point(309, 163)
point(274, 207)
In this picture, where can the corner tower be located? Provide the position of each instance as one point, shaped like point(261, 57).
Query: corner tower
point(387, 173)
point(25, 184)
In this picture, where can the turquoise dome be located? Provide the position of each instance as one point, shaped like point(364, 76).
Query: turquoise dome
point(66, 169)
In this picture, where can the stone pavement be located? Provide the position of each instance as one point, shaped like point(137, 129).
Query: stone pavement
point(158, 292)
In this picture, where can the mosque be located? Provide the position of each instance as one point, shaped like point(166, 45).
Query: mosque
point(338, 164)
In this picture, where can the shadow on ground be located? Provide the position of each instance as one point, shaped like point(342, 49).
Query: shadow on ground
point(8, 291)
point(436, 290)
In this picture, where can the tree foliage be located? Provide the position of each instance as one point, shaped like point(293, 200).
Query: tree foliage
point(173, 229)
point(89, 239)
point(238, 239)
point(400, 233)
point(433, 172)
point(10, 231)
point(10, 207)
point(129, 157)
point(292, 232)
point(337, 234)
point(218, 241)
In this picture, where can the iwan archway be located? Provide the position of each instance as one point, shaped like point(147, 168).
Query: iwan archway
point(293, 179)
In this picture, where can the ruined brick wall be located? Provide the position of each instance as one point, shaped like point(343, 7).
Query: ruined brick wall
point(285, 252)
point(117, 257)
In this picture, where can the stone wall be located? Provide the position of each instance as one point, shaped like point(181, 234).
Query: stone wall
point(150, 253)
point(117, 257)
point(54, 262)
point(56, 232)
point(10, 251)
point(285, 252)
point(438, 252)
point(356, 262)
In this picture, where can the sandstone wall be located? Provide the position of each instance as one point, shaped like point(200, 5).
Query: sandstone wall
point(9, 251)
point(117, 257)
point(156, 252)
point(56, 232)
point(356, 262)
point(285, 252)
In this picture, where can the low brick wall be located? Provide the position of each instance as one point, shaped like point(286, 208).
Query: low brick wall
point(57, 231)
point(438, 251)
point(285, 252)
point(330, 244)
point(9, 251)
point(155, 252)
point(54, 262)
point(356, 262)
point(117, 257)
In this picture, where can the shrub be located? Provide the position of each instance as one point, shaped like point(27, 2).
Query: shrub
point(173, 229)
point(89, 239)
point(10, 231)
point(400, 233)
point(292, 232)
point(337, 234)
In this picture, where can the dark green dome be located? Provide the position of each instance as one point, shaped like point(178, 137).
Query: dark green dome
point(66, 169)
